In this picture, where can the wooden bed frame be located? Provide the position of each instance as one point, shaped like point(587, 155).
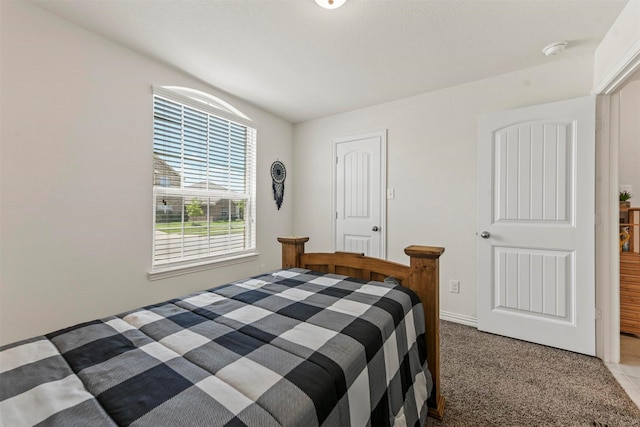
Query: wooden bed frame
point(421, 276)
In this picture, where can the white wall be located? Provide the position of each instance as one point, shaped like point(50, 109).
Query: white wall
point(629, 154)
point(431, 164)
point(76, 176)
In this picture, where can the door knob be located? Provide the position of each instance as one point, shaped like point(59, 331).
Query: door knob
point(375, 228)
point(485, 234)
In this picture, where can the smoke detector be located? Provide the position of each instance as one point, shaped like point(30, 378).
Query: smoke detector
point(331, 4)
point(555, 48)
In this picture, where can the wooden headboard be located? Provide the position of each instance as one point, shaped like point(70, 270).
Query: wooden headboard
point(421, 276)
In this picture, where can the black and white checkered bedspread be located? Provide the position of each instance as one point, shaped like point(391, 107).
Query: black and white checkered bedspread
point(292, 348)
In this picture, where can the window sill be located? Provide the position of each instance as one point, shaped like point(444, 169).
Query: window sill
point(164, 273)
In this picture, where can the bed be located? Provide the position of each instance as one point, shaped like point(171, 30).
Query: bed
point(329, 340)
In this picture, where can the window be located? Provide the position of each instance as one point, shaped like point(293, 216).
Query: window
point(204, 180)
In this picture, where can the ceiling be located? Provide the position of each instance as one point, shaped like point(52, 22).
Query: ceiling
point(301, 62)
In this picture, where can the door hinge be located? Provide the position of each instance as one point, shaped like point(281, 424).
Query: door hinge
point(336, 214)
point(336, 160)
point(598, 124)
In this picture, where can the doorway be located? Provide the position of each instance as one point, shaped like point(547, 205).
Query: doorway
point(607, 210)
point(624, 359)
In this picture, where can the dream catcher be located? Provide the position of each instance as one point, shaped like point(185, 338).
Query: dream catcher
point(278, 174)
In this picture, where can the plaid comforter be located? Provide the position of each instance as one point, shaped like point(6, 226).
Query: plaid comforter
point(292, 348)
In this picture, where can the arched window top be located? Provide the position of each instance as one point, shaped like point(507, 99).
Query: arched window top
point(199, 99)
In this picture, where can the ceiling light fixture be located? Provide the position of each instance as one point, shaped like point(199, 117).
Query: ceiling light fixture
point(331, 4)
point(554, 48)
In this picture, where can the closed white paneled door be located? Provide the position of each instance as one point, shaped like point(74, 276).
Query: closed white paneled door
point(536, 189)
point(360, 184)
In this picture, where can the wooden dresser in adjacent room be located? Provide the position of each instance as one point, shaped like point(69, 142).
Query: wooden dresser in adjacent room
point(630, 292)
point(630, 275)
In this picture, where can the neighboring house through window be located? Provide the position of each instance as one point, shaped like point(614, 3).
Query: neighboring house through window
point(204, 155)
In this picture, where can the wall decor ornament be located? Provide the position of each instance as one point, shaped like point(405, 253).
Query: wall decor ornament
point(278, 175)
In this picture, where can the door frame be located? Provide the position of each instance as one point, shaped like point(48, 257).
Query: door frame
point(382, 134)
point(607, 256)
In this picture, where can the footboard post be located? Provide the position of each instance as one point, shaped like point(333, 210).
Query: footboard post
point(424, 280)
point(292, 248)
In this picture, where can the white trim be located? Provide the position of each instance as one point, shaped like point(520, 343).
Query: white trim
point(607, 249)
point(626, 66)
point(334, 172)
point(613, 348)
point(160, 274)
point(459, 318)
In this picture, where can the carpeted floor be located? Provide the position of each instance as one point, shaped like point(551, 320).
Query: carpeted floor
point(489, 380)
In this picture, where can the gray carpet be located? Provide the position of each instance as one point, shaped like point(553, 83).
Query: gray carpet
point(489, 380)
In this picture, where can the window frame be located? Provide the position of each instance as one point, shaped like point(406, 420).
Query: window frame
point(220, 110)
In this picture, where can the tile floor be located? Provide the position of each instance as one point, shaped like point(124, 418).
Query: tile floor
point(627, 372)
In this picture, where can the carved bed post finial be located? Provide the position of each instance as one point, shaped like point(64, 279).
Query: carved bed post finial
point(292, 248)
point(424, 280)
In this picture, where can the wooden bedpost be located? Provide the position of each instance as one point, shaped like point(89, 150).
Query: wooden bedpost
point(292, 248)
point(424, 280)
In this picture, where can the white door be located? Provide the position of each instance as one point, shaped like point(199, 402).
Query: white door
point(360, 186)
point(536, 185)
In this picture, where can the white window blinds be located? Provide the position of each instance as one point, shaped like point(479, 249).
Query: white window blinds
point(203, 187)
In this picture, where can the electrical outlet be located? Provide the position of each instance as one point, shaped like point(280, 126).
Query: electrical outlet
point(454, 286)
point(261, 268)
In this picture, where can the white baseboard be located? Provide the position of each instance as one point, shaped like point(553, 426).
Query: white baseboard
point(459, 318)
